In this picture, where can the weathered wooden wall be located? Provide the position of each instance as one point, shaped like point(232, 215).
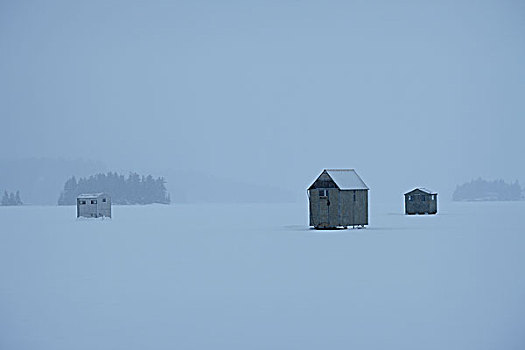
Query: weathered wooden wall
point(347, 208)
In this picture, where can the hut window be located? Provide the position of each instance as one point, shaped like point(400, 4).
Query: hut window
point(354, 196)
point(103, 200)
point(323, 193)
point(433, 197)
point(423, 198)
point(410, 198)
point(93, 201)
point(82, 202)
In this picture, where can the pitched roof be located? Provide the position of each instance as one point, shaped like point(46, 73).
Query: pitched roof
point(422, 189)
point(90, 195)
point(346, 179)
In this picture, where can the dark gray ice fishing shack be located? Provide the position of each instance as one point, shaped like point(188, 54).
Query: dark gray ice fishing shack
point(338, 198)
point(420, 201)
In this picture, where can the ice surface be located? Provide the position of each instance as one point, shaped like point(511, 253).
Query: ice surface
point(255, 277)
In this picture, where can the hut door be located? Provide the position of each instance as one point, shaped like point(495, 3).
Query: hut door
point(324, 209)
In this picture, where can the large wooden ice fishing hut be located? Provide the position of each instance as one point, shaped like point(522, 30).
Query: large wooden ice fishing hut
point(338, 198)
point(93, 205)
point(420, 201)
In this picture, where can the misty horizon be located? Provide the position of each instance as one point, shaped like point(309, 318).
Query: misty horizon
point(41, 180)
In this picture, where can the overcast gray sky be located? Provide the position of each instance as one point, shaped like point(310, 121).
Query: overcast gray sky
point(407, 92)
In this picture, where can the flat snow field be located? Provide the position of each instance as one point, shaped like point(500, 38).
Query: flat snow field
point(253, 276)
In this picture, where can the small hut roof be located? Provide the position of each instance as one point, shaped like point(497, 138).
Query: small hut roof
point(422, 189)
point(90, 195)
point(346, 179)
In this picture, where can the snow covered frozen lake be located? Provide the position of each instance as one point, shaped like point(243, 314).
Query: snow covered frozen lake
point(253, 276)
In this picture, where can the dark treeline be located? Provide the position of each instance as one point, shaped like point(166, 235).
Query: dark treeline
point(11, 198)
point(135, 189)
point(481, 190)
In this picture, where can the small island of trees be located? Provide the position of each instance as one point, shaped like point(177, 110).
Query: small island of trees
point(135, 189)
point(482, 190)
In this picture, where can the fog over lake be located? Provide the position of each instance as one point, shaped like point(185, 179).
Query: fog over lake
point(262, 95)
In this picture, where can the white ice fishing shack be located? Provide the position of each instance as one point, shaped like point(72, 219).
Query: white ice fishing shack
point(93, 205)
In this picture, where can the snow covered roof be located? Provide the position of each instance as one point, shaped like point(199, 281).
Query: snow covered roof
point(90, 195)
point(346, 179)
point(422, 189)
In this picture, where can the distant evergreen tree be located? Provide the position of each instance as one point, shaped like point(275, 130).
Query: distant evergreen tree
point(136, 189)
point(18, 200)
point(12, 199)
point(5, 198)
